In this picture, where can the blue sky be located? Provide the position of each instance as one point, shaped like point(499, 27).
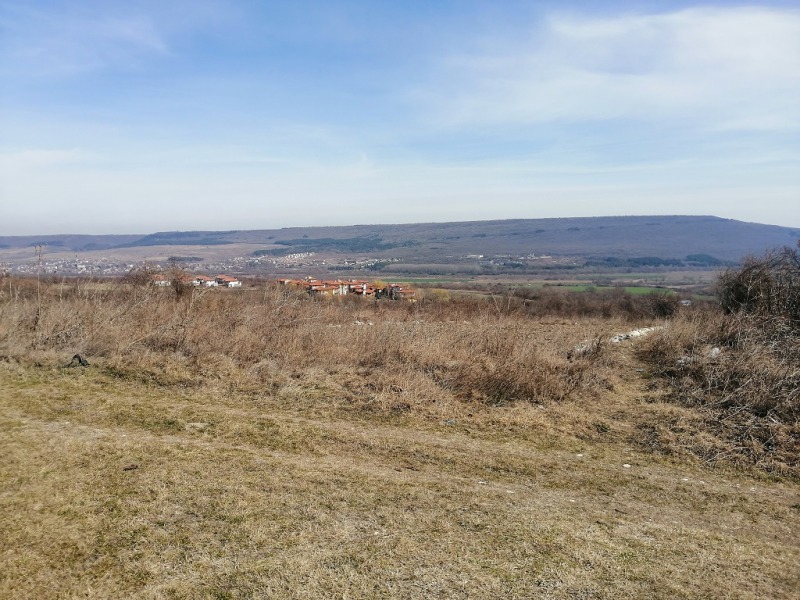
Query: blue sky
point(138, 116)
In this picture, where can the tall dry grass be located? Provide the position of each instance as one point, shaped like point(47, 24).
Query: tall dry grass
point(437, 357)
point(388, 354)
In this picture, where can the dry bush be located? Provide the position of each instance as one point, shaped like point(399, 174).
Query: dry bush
point(661, 304)
point(594, 304)
point(741, 366)
point(767, 286)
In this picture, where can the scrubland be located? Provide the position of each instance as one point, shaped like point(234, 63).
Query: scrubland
point(256, 443)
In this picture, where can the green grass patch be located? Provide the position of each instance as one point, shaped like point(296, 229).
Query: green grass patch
point(634, 290)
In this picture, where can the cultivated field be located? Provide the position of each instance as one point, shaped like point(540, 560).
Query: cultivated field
point(258, 444)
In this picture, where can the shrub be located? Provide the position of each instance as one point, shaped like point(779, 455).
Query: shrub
point(768, 286)
point(740, 365)
point(662, 304)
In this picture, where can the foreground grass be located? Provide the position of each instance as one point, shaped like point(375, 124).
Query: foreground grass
point(110, 487)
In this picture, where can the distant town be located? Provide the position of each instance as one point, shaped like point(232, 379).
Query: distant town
point(257, 265)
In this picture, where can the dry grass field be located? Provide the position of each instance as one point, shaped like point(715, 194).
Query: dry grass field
point(257, 444)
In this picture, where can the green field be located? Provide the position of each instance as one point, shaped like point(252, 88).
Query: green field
point(636, 290)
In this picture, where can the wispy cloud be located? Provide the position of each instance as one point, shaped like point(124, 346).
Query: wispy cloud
point(64, 39)
point(731, 68)
point(47, 44)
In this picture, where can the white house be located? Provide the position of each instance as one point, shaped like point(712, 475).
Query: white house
point(205, 281)
point(228, 281)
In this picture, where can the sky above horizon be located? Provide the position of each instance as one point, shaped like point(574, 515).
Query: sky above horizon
point(142, 116)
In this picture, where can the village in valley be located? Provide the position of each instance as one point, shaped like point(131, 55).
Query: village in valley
point(162, 280)
point(310, 285)
point(337, 287)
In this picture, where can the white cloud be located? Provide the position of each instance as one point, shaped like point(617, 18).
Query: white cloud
point(727, 67)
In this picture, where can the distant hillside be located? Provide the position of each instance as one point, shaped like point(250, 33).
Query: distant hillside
point(668, 237)
point(68, 242)
point(609, 240)
point(181, 238)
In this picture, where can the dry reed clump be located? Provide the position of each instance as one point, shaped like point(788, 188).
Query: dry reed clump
point(742, 366)
point(387, 355)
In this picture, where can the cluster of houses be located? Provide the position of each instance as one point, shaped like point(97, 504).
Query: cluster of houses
point(199, 281)
point(317, 287)
point(312, 286)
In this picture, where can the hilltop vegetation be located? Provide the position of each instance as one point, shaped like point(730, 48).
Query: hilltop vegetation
point(356, 245)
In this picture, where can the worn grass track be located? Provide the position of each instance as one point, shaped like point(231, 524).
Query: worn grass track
point(294, 495)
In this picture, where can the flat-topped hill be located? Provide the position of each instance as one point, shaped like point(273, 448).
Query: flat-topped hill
point(622, 237)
